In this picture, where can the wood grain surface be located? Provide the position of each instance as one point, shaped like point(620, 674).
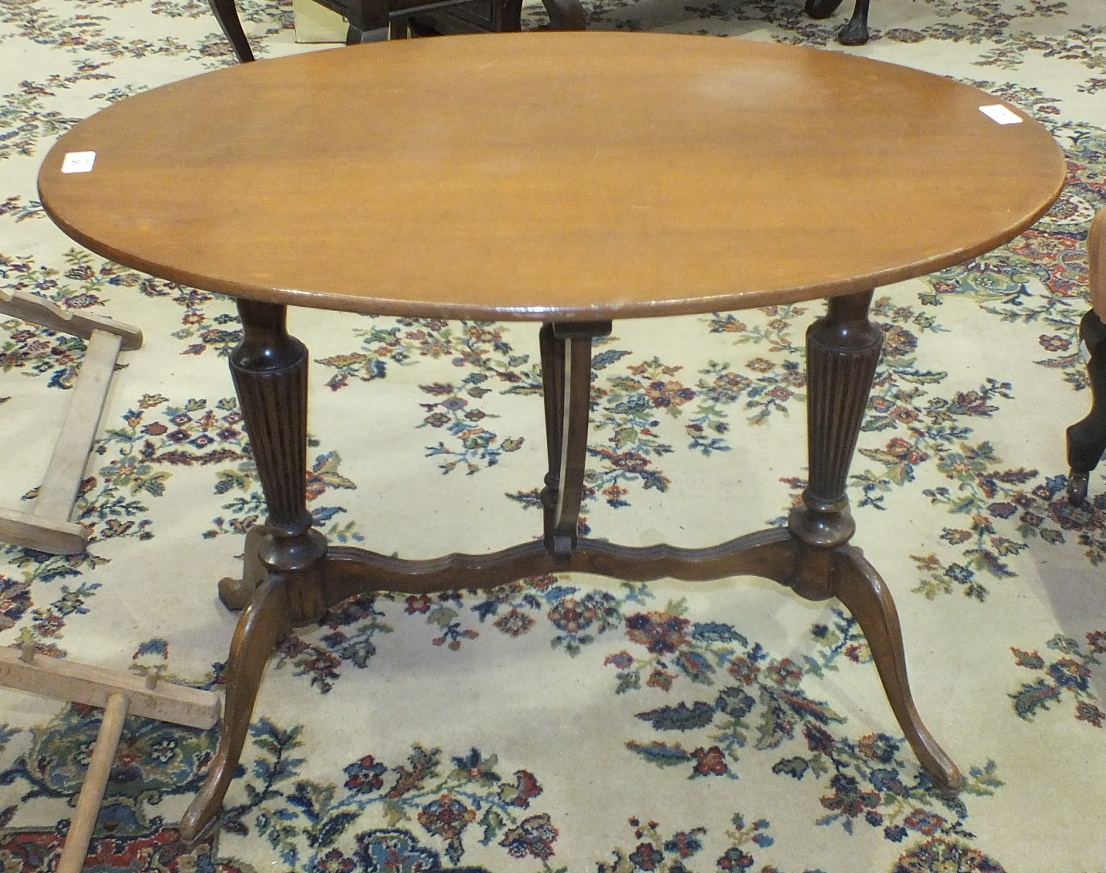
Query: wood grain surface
point(552, 176)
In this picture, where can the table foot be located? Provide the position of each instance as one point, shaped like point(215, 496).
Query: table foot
point(855, 31)
point(1086, 439)
point(236, 592)
point(863, 592)
point(262, 625)
point(566, 15)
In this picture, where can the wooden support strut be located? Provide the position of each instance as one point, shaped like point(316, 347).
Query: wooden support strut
point(119, 694)
point(48, 527)
point(566, 375)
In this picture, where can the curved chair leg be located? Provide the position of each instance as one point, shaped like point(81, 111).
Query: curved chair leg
point(855, 31)
point(821, 8)
point(566, 15)
point(227, 16)
point(1087, 438)
point(263, 624)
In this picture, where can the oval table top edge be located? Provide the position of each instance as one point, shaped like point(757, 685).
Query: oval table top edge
point(614, 303)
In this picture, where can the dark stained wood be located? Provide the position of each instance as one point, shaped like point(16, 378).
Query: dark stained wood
point(622, 175)
point(842, 353)
point(355, 571)
point(566, 383)
point(263, 624)
point(269, 369)
point(863, 592)
point(855, 30)
point(658, 175)
point(1087, 438)
point(226, 13)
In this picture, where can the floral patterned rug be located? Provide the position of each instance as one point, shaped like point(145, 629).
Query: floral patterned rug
point(573, 723)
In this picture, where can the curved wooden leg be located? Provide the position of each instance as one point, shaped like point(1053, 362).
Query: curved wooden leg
point(269, 369)
point(861, 589)
point(821, 8)
point(567, 15)
point(855, 31)
point(227, 15)
point(842, 353)
point(263, 624)
point(566, 383)
point(1087, 438)
point(236, 593)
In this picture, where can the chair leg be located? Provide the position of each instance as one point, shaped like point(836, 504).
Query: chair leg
point(855, 31)
point(1087, 438)
point(566, 15)
point(227, 16)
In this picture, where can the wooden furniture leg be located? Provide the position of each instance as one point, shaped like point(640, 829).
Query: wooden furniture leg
point(302, 578)
point(861, 589)
point(368, 21)
point(855, 30)
point(842, 352)
point(566, 384)
point(1086, 439)
point(263, 624)
point(48, 527)
point(566, 15)
point(269, 369)
point(227, 15)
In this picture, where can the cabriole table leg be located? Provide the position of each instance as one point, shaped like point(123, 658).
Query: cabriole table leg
point(842, 352)
point(269, 369)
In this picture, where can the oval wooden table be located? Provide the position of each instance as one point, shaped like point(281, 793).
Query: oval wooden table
point(568, 179)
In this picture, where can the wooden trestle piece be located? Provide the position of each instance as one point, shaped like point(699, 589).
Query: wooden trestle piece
point(49, 526)
point(119, 695)
point(291, 577)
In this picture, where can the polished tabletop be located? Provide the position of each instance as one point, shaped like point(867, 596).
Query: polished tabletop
point(552, 176)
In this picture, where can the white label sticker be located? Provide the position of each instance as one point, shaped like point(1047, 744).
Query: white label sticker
point(78, 162)
point(1001, 114)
